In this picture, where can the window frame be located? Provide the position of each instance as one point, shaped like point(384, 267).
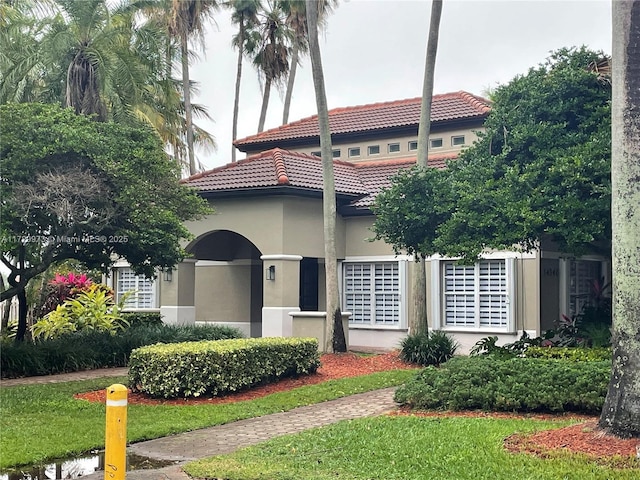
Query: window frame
point(431, 145)
point(335, 153)
point(410, 143)
point(370, 147)
point(438, 303)
point(453, 140)
point(352, 153)
point(401, 262)
point(119, 291)
point(394, 145)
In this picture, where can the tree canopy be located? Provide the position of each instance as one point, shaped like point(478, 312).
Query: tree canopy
point(75, 188)
point(540, 172)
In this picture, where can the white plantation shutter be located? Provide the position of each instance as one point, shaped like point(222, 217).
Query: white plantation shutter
point(142, 288)
point(478, 296)
point(372, 293)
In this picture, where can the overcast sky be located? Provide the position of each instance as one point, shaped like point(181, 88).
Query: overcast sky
point(374, 51)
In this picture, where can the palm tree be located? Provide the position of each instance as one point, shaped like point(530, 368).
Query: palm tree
point(296, 19)
point(418, 320)
point(272, 56)
point(621, 410)
point(335, 338)
point(245, 15)
point(188, 19)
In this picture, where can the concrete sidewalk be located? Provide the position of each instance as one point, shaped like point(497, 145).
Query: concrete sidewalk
point(227, 438)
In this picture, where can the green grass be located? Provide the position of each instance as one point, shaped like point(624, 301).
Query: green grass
point(404, 448)
point(45, 422)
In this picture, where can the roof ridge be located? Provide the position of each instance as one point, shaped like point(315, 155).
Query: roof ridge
point(475, 101)
point(281, 167)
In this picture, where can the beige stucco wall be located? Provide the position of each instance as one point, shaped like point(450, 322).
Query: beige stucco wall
point(447, 147)
point(223, 292)
point(358, 235)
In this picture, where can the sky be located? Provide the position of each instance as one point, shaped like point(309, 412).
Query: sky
point(374, 51)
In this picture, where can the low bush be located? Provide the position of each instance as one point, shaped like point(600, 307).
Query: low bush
point(575, 354)
point(192, 369)
point(89, 349)
point(142, 318)
point(515, 384)
point(428, 348)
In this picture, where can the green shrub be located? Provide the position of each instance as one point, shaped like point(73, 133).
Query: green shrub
point(90, 349)
point(192, 369)
point(515, 384)
point(142, 318)
point(570, 353)
point(428, 348)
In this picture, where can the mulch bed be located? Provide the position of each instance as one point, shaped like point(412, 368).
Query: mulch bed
point(583, 437)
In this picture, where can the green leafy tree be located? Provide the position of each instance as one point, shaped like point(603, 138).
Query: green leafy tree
point(621, 410)
point(539, 172)
point(91, 191)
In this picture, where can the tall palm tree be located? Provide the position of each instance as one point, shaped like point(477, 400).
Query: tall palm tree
point(296, 19)
point(335, 338)
point(245, 16)
point(272, 56)
point(621, 410)
point(418, 319)
point(188, 20)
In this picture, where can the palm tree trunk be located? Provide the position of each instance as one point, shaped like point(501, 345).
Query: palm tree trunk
point(418, 320)
point(188, 113)
point(290, 82)
point(335, 338)
point(236, 102)
point(621, 410)
point(265, 104)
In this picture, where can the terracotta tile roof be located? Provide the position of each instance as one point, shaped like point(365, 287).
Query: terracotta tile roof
point(281, 168)
point(445, 107)
point(377, 175)
point(277, 168)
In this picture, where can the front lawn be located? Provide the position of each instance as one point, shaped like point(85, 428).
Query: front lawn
point(405, 448)
point(44, 422)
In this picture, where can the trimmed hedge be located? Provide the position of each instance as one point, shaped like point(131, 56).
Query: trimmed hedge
point(196, 368)
point(88, 350)
point(574, 354)
point(516, 384)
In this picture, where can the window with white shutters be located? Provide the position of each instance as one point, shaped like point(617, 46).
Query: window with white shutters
point(372, 293)
point(142, 289)
point(476, 296)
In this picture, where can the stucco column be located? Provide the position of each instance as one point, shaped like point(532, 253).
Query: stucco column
point(177, 294)
point(281, 293)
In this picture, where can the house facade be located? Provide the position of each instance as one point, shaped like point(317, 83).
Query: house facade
point(260, 256)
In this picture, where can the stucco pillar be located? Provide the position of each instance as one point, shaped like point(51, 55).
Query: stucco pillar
point(177, 294)
point(281, 293)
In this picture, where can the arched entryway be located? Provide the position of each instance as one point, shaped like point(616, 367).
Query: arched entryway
point(228, 281)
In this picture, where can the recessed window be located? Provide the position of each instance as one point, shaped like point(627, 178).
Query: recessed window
point(354, 152)
point(437, 142)
point(413, 145)
point(394, 147)
point(457, 140)
point(372, 293)
point(373, 149)
point(142, 289)
point(336, 153)
point(316, 154)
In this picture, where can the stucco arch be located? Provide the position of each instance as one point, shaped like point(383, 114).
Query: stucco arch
point(228, 280)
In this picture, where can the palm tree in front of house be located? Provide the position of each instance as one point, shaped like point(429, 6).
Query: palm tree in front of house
point(621, 410)
point(272, 55)
point(245, 16)
point(297, 21)
point(418, 319)
point(188, 20)
point(335, 337)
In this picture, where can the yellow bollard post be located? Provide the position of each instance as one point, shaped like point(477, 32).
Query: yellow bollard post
point(115, 455)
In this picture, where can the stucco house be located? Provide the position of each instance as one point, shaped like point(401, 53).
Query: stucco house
point(259, 257)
